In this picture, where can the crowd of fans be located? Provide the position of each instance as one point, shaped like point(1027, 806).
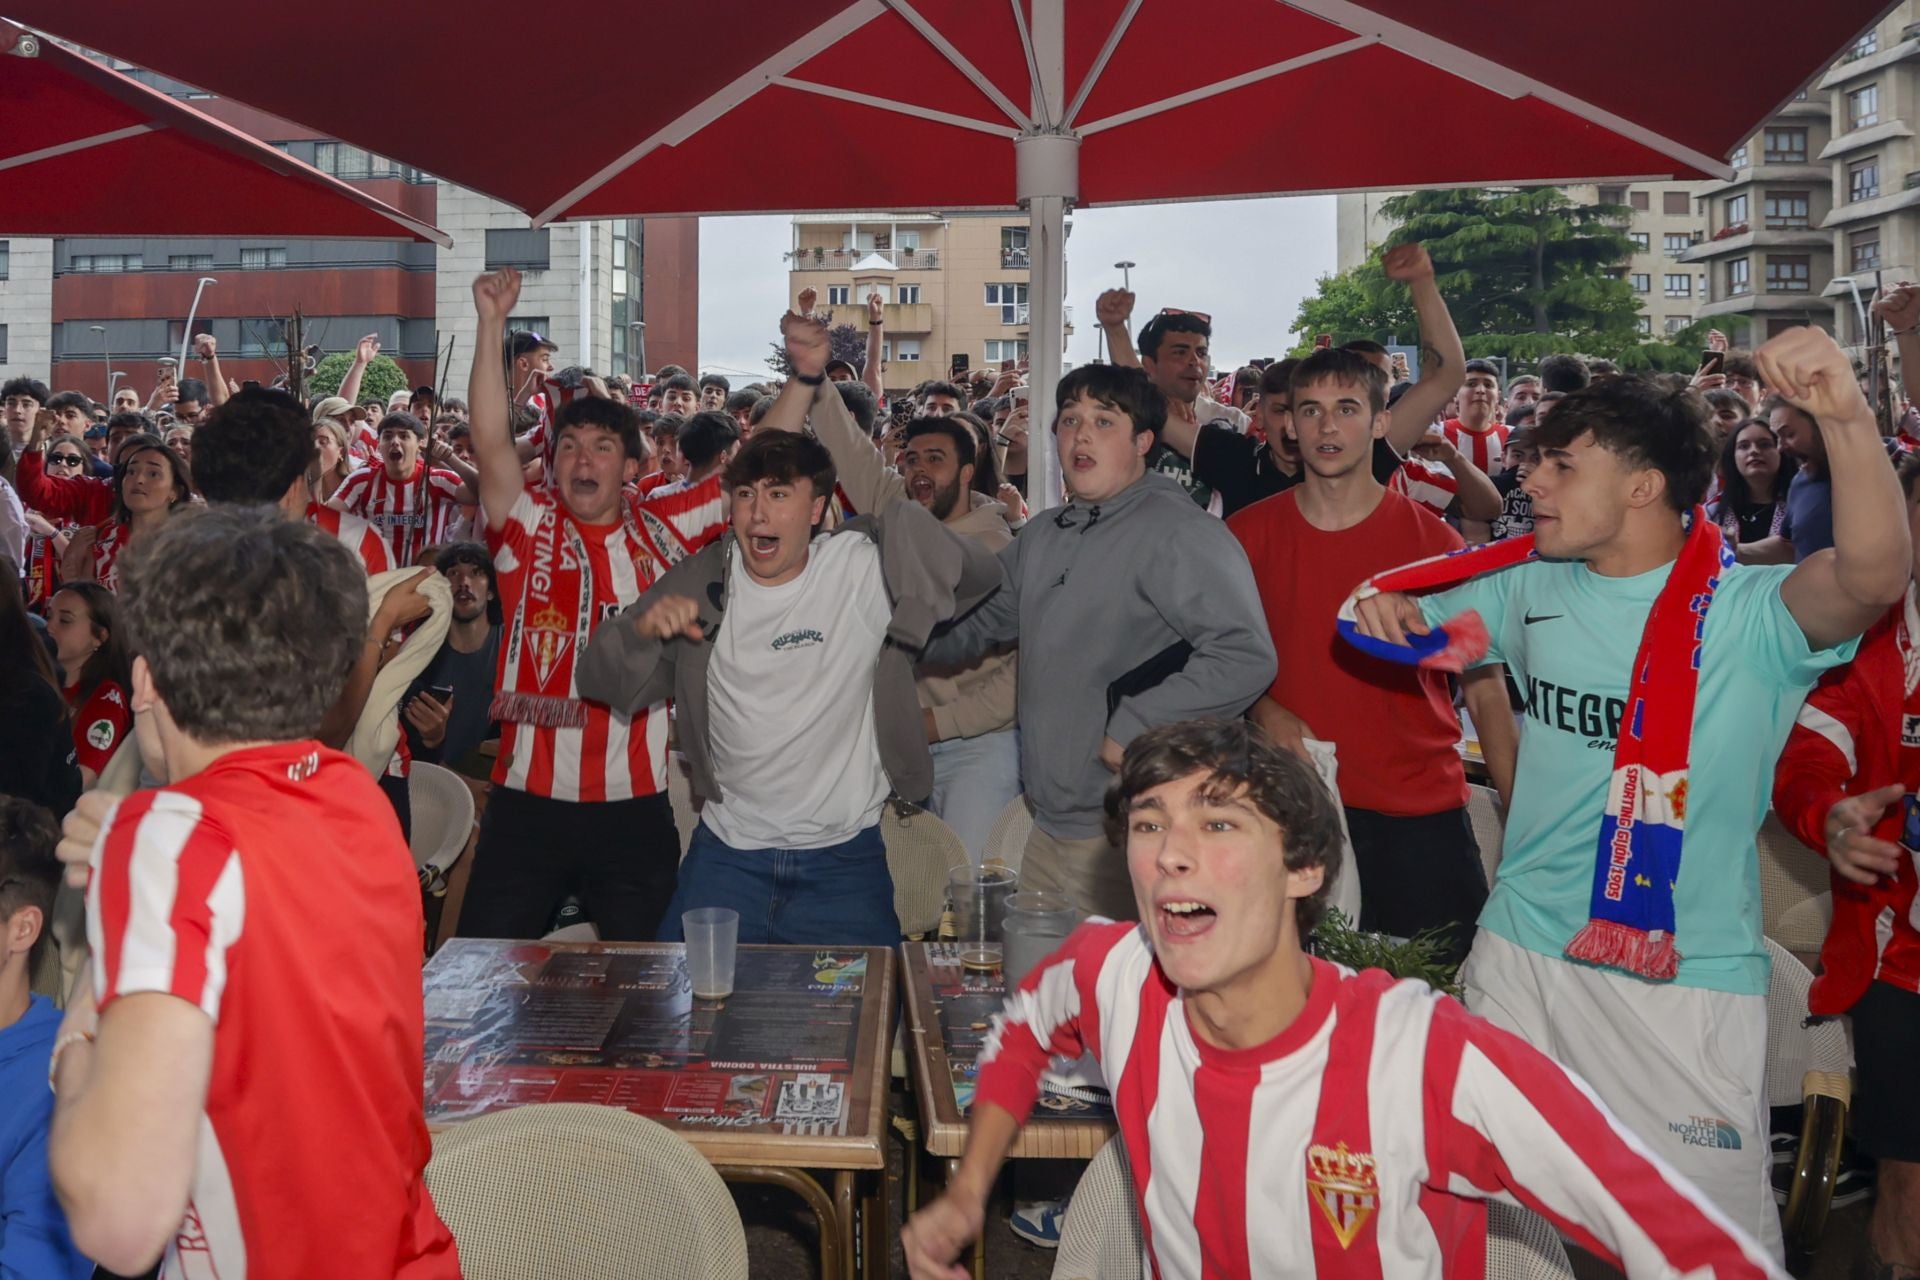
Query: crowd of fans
point(1235, 659)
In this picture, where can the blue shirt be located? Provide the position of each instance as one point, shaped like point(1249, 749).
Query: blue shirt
point(34, 1242)
point(1569, 635)
point(1809, 514)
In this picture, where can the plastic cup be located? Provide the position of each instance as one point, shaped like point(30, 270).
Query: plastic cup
point(713, 936)
point(979, 896)
point(1036, 924)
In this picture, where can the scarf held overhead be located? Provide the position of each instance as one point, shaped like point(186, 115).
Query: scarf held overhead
point(1637, 853)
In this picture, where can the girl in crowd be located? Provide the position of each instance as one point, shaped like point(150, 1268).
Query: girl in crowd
point(1752, 507)
point(84, 622)
point(33, 748)
point(149, 481)
point(333, 458)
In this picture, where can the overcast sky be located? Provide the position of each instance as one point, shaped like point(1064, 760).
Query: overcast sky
point(1247, 263)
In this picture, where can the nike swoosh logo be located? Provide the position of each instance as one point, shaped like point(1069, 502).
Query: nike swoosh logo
point(1532, 618)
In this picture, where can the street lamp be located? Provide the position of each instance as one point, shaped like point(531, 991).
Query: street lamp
point(113, 378)
point(106, 357)
point(186, 337)
point(1126, 273)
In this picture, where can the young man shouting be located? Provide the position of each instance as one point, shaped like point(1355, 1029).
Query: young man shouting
point(789, 655)
point(410, 502)
point(1661, 680)
point(253, 922)
point(1284, 1116)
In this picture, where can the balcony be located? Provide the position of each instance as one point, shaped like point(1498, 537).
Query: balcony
point(901, 317)
point(1745, 238)
point(1016, 258)
point(843, 259)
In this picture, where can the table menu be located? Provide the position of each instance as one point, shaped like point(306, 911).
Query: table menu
point(512, 1023)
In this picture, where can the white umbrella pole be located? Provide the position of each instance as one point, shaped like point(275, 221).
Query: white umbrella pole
point(1047, 165)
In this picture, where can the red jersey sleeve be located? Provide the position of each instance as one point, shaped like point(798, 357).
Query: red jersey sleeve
point(1820, 759)
point(167, 901)
point(445, 483)
point(101, 726)
point(1053, 1012)
point(83, 500)
point(1504, 1119)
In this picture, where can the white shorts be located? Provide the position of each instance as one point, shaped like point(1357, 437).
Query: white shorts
point(1684, 1068)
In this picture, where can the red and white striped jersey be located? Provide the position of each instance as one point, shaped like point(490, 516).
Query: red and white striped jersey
point(559, 578)
point(356, 534)
point(1433, 487)
point(675, 525)
point(106, 553)
point(1361, 1141)
point(273, 892)
point(366, 442)
point(411, 513)
point(1484, 449)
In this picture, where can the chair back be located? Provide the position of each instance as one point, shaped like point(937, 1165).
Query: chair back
point(1790, 875)
point(1489, 826)
point(1007, 841)
point(1522, 1245)
point(571, 1191)
point(1793, 1048)
point(1100, 1239)
point(921, 852)
point(442, 806)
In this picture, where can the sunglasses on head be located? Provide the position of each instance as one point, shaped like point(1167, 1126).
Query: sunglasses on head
point(1201, 316)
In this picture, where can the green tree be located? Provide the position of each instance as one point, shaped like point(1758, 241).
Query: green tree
point(1525, 272)
point(382, 378)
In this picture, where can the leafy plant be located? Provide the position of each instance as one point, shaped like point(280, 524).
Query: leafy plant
point(1336, 939)
point(382, 378)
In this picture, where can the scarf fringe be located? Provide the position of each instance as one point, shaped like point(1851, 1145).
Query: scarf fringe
point(541, 710)
point(1621, 946)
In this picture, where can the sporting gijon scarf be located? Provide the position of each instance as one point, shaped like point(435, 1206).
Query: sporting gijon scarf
point(1637, 854)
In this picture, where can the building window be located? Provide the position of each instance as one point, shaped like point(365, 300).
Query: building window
point(1863, 249)
point(3, 344)
point(1676, 203)
point(343, 161)
point(1789, 274)
point(6, 258)
point(1863, 179)
point(265, 336)
point(1643, 323)
point(1739, 279)
point(1675, 324)
point(999, 349)
point(839, 295)
point(1613, 195)
point(906, 349)
point(261, 259)
point(1641, 200)
point(1735, 210)
point(1739, 157)
point(100, 262)
point(1641, 281)
point(530, 324)
point(1787, 211)
point(1786, 146)
point(1012, 301)
point(1863, 106)
point(527, 248)
point(909, 242)
point(1641, 243)
point(909, 293)
point(1865, 46)
point(1676, 243)
point(1013, 247)
point(189, 262)
point(1679, 285)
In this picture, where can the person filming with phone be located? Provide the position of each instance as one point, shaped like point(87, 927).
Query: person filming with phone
point(446, 708)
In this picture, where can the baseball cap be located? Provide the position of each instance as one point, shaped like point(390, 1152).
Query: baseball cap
point(399, 399)
point(330, 408)
point(841, 364)
point(522, 341)
point(97, 432)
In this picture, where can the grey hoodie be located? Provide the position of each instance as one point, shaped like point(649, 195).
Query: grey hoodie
point(1093, 591)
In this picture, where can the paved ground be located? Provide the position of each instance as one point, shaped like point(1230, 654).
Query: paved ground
point(783, 1240)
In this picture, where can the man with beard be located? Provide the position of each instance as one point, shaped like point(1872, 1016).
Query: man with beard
point(447, 706)
point(411, 503)
point(967, 709)
point(1405, 792)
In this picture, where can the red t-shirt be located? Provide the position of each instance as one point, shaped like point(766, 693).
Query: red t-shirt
point(272, 891)
point(1393, 726)
point(99, 724)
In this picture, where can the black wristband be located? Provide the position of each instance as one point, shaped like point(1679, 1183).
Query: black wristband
point(814, 381)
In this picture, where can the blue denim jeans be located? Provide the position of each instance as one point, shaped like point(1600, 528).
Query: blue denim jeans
point(841, 895)
point(974, 780)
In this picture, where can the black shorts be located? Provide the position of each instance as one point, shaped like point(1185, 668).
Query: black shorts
point(1886, 1045)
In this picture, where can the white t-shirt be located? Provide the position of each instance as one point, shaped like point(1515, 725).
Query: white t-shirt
point(790, 702)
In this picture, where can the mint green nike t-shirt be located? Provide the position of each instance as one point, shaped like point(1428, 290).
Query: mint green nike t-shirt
point(1568, 635)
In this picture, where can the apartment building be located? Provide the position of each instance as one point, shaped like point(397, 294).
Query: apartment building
point(953, 284)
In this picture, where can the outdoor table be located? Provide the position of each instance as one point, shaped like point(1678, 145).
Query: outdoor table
point(950, 1010)
point(787, 1074)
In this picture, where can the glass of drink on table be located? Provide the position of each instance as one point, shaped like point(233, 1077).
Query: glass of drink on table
point(1036, 924)
point(713, 936)
point(979, 896)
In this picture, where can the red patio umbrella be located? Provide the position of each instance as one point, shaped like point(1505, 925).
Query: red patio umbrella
point(87, 151)
point(733, 106)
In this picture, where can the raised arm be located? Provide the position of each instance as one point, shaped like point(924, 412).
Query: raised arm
point(870, 483)
point(1900, 308)
point(363, 353)
point(489, 414)
point(1476, 498)
point(1114, 312)
point(1836, 594)
point(208, 352)
point(876, 330)
point(1442, 360)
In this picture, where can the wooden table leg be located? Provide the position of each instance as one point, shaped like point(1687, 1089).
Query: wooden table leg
point(977, 1258)
point(875, 1216)
point(836, 1228)
point(844, 1205)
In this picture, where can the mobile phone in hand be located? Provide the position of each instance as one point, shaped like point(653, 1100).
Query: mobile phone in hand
point(1713, 361)
point(442, 693)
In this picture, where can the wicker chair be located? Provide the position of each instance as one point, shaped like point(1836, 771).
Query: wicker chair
point(568, 1191)
point(1522, 1245)
point(1808, 1065)
point(921, 852)
point(1793, 884)
point(1007, 842)
point(1100, 1240)
point(1489, 826)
